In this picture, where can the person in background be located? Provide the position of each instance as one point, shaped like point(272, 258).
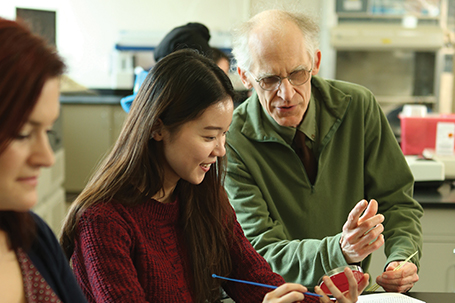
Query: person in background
point(192, 35)
point(154, 222)
point(196, 36)
point(303, 150)
point(221, 59)
point(32, 265)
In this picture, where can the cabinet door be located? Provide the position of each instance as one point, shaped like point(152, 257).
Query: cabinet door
point(437, 271)
point(437, 265)
point(437, 268)
point(119, 116)
point(51, 206)
point(86, 139)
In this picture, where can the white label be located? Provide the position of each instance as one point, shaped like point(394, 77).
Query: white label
point(409, 21)
point(352, 5)
point(445, 138)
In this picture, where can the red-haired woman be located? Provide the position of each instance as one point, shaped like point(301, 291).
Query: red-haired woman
point(32, 265)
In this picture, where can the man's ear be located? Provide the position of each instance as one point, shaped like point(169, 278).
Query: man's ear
point(317, 62)
point(245, 80)
point(157, 130)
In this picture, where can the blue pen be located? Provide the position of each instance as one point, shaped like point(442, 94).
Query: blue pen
point(260, 284)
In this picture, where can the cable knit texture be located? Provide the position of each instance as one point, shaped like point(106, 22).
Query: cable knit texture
point(138, 254)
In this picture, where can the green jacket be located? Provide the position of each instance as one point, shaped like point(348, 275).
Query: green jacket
point(296, 226)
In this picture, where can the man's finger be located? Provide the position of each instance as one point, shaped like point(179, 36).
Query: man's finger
point(399, 280)
point(399, 285)
point(408, 269)
point(371, 211)
point(355, 213)
point(371, 224)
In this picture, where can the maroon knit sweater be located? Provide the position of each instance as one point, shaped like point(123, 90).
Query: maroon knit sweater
point(137, 254)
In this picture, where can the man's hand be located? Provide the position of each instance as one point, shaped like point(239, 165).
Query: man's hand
point(362, 235)
point(401, 280)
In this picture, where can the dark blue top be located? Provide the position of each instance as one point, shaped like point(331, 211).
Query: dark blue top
point(50, 261)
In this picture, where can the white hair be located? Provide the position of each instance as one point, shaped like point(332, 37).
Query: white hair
point(308, 27)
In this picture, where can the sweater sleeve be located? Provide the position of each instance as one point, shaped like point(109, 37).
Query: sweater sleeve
point(102, 259)
point(249, 265)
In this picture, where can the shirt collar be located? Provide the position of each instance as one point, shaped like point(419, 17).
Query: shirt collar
point(308, 124)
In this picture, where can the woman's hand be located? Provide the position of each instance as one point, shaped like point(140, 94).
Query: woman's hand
point(349, 296)
point(288, 292)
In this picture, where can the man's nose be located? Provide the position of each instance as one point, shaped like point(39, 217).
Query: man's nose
point(286, 90)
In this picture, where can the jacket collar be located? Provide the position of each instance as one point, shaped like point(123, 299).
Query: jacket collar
point(330, 96)
point(260, 126)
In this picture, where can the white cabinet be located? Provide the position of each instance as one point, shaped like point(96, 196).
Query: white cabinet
point(437, 265)
point(89, 132)
point(51, 206)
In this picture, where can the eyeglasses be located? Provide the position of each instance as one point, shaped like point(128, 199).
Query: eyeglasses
point(296, 78)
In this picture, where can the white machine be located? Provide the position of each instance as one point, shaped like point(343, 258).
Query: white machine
point(426, 172)
point(447, 160)
point(135, 48)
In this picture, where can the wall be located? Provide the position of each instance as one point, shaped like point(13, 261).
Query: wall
point(306, 6)
point(87, 30)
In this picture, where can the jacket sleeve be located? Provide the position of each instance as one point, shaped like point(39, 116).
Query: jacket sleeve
point(296, 260)
point(389, 180)
point(102, 262)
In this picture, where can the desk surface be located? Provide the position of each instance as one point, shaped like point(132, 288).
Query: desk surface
point(442, 197)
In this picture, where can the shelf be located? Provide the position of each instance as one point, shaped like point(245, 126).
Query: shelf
point(406, 99)
point(391, 9)
point(384, 16)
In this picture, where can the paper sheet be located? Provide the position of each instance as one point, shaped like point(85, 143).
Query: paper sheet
point(387, 297)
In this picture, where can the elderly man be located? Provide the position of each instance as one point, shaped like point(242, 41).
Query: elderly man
point(303, 150)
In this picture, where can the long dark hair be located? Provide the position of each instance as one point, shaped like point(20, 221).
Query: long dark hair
point(178, 89)
point(26, 63)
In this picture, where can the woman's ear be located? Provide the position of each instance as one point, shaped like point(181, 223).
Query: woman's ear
point(157, 130)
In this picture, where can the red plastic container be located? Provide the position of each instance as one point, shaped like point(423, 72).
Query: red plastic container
point(418, 133)
point(339, 278)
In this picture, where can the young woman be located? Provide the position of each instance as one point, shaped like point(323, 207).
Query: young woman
point(154, 223)
point(33, 267)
